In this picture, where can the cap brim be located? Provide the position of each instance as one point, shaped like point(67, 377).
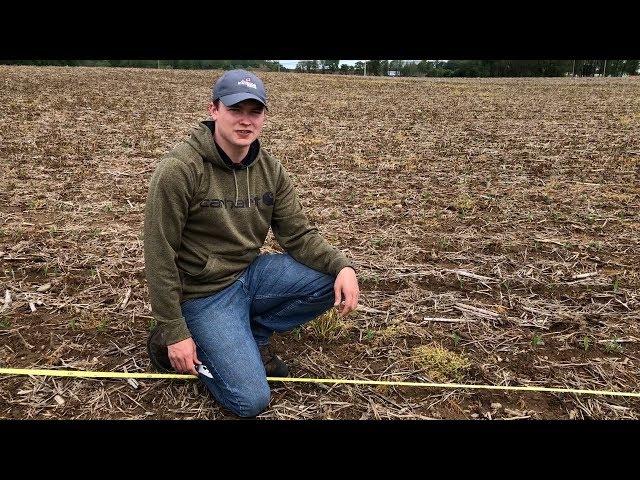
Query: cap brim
point(234, 98)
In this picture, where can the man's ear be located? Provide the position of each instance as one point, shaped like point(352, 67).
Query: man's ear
point(213, 111)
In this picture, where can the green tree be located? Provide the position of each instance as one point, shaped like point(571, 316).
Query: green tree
point(330, 66)
point(308, 66)
point(373, 67)
point(631, 67)
point(384, 67)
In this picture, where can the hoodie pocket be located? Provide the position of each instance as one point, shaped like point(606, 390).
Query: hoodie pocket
point(208, 272)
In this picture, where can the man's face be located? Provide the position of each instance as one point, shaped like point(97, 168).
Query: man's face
point(238, 124)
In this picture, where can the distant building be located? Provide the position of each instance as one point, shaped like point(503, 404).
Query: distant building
point(394, 73)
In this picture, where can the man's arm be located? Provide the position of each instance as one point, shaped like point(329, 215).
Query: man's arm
point(166, 213)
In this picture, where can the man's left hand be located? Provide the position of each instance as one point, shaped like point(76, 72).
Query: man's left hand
point(346, 291)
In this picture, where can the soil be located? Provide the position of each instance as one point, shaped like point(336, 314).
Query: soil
point(529, 183)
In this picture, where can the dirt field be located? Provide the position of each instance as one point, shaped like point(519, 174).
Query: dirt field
point(507, 207)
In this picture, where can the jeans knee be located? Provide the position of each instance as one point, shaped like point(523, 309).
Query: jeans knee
point(324, 287)
point(253, 403)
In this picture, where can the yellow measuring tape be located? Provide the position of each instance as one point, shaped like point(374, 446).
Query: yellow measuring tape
point(90, 374)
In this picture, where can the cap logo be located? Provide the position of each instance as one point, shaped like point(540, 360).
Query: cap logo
point(247, 81)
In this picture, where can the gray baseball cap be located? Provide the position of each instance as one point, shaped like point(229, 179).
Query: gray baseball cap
point(237, 85)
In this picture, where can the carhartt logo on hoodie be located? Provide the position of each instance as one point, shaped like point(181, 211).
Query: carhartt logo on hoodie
point(267, 199)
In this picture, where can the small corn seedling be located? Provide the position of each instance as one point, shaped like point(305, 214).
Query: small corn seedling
point(5, 321)
point(537, 340)
point(612, 346)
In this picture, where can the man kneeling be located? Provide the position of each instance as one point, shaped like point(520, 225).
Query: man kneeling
point(215, 298)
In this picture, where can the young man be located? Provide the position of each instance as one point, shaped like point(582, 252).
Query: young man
point(216, 301)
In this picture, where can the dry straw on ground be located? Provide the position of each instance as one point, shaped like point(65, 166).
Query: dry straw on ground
point(495, 217)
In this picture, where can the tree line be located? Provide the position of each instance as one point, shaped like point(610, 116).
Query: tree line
point(474, 68)
point(269, 65)
point(404, 68)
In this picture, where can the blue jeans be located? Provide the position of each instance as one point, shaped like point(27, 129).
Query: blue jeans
point(275, 293)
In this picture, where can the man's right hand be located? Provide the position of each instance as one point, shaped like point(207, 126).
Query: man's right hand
point(182, 356)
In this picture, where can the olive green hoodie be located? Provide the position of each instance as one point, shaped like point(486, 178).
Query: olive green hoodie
point(206, 219)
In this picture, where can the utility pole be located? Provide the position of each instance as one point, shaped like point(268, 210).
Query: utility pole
point(573, 69)
point(365, 68)
point(604, 74)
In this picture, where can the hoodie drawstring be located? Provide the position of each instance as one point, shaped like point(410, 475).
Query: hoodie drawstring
point(235, 180)
point(248, 195)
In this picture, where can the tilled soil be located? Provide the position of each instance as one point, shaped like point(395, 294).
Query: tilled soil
point(495, 218)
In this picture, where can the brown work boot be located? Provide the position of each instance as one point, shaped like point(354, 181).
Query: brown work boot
point(158, 351)
point(273, 364)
